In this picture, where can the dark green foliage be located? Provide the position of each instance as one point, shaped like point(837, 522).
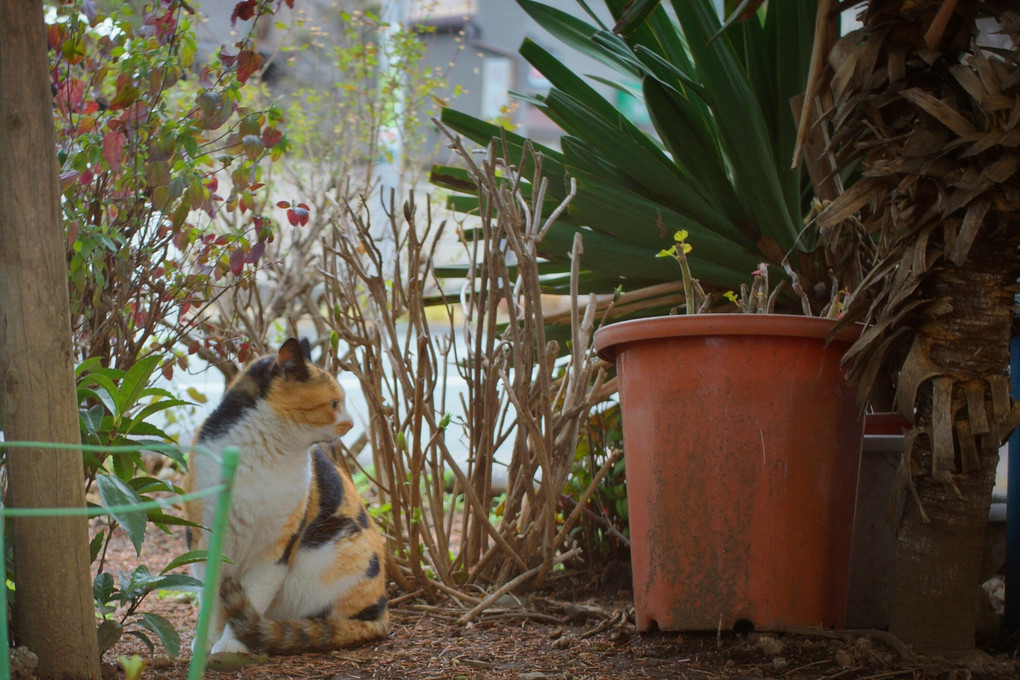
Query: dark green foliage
point(716, 163)
point(603, 530)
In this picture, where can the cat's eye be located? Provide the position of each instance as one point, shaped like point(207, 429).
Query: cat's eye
point(336, 402)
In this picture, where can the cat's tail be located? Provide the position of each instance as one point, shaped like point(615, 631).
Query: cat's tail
point(294, 636)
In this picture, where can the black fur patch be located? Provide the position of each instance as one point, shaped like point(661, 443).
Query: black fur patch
point(331, 487)
point(245, 393)
point(328, 529)
point(372, 612)
point(327, 526)
point(285, 557)
point(363, 519)
point(373, 567)
point(188, 538)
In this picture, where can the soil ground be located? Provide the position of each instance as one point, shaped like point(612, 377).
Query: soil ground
point(573, 629)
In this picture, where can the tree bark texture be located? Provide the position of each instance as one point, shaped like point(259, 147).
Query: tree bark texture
point(941, 540)
point(54, 613)
point(932, 121)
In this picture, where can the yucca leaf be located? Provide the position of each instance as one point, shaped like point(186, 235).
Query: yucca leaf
point(635, 14)
point(632, 152)
point(693, 145)
point(481, 132)
point(657, 33)
point(649, 225)
point(564, 79)
point(742, 128)
point(574, 32)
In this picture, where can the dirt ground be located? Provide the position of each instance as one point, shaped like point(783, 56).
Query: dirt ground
point(573, 629)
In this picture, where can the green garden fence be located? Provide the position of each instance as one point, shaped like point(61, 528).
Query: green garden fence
point(228, 463)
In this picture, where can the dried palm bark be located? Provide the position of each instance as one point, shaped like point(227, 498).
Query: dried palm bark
point(935, 123)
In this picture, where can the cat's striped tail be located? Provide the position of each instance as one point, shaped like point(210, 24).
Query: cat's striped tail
point(295, 636)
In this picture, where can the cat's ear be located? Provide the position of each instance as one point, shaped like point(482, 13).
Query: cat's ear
point(306, 349)
point(292, 360)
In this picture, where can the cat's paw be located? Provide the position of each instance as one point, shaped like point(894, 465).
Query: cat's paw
point(229, 646)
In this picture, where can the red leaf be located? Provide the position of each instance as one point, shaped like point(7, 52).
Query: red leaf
point(113, 149)
point(168, 371)
point(69, 95)
point(244, 352)
point(243, 10)
point(213, 184)
point(290, 3)
point(248, 62)
point(237, 261)
point(300, 214)
point(85, 177)
point(283, 204)
point(255, 253)
point(271, 137)
point(55, 35)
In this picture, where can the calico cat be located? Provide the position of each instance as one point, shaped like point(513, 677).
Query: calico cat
point(306, 571)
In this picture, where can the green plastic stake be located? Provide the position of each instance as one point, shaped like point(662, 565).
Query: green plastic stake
point(5, 657)
point(225, 490)
point(212, 569)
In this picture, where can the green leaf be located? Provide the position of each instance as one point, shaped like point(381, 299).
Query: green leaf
point(162, 520)
point(141, 583)
point(635, 14)
point(574, 32)
point(143, 484)
point(91, 419)
point(95, 545)
point(151, 409)
point(125, 464)
point(104, 393)
point(176, 582)
point(87, 365)
point(114, 492)
point(108, 633)
point(164, 630)
point(102, 588)
point(135, 381)
point(189, 557)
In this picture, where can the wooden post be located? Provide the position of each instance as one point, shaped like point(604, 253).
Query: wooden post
point(54, 613)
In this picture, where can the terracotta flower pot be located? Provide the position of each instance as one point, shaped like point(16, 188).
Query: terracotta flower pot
point(742, 448)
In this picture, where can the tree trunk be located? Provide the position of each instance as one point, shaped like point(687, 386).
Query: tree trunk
point(54, 614)
point(938, 561)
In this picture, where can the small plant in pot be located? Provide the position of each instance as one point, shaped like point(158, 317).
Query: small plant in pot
point(743, 446)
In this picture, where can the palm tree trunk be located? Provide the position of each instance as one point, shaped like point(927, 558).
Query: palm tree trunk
point(941, 540)
point(930, 118)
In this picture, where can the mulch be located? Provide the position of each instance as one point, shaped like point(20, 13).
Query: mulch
point(577, 627)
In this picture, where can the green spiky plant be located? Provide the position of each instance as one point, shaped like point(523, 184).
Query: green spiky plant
point(717, 164)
